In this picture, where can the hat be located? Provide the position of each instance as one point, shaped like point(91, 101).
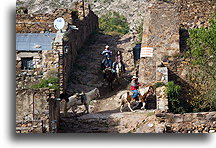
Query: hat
point(134, 77)
point(107, 46)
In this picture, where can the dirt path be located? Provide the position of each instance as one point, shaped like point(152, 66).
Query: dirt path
point(86, 75)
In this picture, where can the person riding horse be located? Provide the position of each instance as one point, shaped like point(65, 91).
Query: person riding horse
point(106, 52)
point(134, 85)
point(108, 62)
point(119, 59)
point(108, 65)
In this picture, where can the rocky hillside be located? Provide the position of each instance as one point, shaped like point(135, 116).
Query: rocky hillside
point(44, 6)
point(133, 10)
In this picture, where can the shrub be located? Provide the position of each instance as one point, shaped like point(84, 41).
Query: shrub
point(51, 83)
point(173, 91)
point(158, 84)
point(113, 23)
point(202, 76)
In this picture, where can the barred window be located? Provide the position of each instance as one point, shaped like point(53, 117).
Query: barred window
point(27, 63)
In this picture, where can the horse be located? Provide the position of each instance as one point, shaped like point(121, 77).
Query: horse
point(118, 68)
point(126, 97)
point(109, 77)
point(80, 99)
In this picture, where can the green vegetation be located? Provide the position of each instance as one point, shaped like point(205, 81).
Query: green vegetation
point(158, 84)
point(51, 83)
point(114, 24)
point(139, 30)
point(202, 43)
point(173, 91)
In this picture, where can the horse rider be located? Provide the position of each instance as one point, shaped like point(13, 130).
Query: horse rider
point(108, 64)
point(134, 85)
point(107, 50)
point(119, 59)
point(105, 53)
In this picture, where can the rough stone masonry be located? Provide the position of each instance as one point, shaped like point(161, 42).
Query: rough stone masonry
point(160, 32)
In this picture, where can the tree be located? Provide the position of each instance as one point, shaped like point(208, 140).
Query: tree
point(113, 23)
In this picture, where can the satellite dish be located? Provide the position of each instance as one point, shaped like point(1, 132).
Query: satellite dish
point(59, 23)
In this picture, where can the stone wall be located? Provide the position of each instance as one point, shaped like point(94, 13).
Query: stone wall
point(160, 32)
point(32, 105)
point(65, 46)
point(41, 23)
point(162, 99)
point(31, 126)
point(35, 110)
point(70, 41)
point(46, 63)
point(76, 39)
point(203, 122)
point(165, 30)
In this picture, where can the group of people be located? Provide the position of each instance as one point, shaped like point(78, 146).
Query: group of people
point(107, 63)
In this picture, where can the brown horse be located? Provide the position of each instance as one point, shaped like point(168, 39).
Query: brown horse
point(126, 98)
point(109, 77)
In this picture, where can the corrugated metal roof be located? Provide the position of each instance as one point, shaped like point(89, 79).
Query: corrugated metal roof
point(34, 41)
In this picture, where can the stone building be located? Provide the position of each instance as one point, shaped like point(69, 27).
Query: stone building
point(165, 31)
point(42, 52)
point(35, 57)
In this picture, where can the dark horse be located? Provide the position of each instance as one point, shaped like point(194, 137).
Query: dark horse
point(109, 77)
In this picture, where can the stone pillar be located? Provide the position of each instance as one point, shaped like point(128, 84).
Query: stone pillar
point(58, 45)
point(147, 66)
point(160, 38)
point(162, 99)
point(54, 112)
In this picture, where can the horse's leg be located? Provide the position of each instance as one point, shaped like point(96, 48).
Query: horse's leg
point(73, 110)
point(122, 105)
point(110, 85)
point(130, 107)
point(143, 107)
point(86, 107)
point(66, 108)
